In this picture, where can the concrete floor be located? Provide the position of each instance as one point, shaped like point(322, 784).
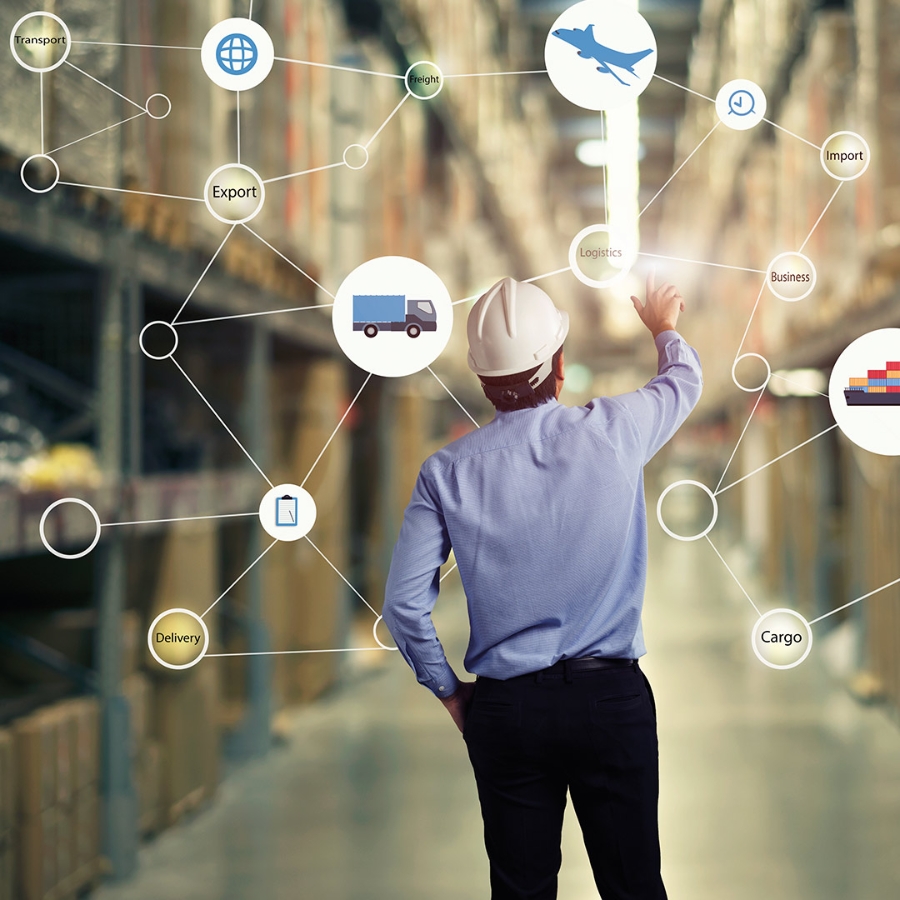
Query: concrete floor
point(775, 784)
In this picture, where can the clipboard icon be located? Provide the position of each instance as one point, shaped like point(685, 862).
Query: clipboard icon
point(286, 509)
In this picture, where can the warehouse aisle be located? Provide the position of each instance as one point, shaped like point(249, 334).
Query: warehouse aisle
point(775, 784)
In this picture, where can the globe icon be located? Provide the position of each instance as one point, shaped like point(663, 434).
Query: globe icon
point(236, 54)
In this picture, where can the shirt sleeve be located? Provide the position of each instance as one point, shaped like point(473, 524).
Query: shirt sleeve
point(660, 407)
point(413, 585)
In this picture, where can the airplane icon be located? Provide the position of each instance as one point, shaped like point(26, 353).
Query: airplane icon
point(588, 47)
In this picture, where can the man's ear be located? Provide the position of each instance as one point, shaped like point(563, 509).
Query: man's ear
point(559, 367)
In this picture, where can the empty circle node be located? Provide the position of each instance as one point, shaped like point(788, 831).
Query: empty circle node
point(178, 639)
point(424, 80)
point(158, 340)
point(781, 639)
point(40, 42)
point(748, 388)
point(687, 508)
point(42, 528)
point(40, 173)
point(356, 156)
point(158, 106)
point(378, 640)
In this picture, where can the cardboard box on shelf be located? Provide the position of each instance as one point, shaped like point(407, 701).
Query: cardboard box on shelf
point(86, 818)
point(7, 865)
point(8, 781)
point(149, 787)
point(36, 762)
point(37, 858)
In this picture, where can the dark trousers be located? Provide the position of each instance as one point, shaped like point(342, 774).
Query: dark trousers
point(532, 738)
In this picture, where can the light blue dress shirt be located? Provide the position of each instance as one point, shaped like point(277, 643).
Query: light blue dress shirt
point(544, 509)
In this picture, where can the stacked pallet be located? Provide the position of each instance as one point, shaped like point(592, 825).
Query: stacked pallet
point(50, 818)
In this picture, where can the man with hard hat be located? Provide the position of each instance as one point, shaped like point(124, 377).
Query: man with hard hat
point(544, 510)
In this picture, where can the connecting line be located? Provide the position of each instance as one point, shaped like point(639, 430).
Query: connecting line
point(711, 544)
point(98, 187)
point(697, 262)
point(797, 384)
point(268, 312)
point(183, 519)
point(491, 74)
point(237, 106)
point(200, 395)
point(741, 438)
point(683, 88)
point(750, 322)
point(791, 133)
point(884, 587)
point(330, 563)
point(144, 46)
point(450, 571)
point(548, 275)
point(303, 62)
point(333, 433)
point(101, 131)
point(279, 253)
point(236, 580)
point(766, 466)
point(465, 300)
point(208, 267)
point(294, 652)
point(687, 160)
point(250, 14)
point(87, 75)
point(444, 386)
point(605, 186)
point(388, 119)
point(305, 172)
point(803, 245)
point(42, 113)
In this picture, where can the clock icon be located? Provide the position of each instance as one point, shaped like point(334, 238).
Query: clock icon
point(741, 103)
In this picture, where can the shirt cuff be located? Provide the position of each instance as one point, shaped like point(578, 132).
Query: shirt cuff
point(445, 685)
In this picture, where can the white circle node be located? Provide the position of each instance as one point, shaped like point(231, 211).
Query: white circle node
point(599, 257)
point(52, 162)
point(845, 155)
point(146, 352)
point(287, 512)
point(417, 84)
point(66, 40)
point(600, 54)
point(178, 612)
point(237, 54)
point(791, 276)
point(762, 384)
point(864, 392)
point(681, 537)
point(43, 522)
point(357, 150)
point(158, 115)
point(741, 104)
point(781, 639)
point(234, 194)
point(378, 640)
point(392, 316)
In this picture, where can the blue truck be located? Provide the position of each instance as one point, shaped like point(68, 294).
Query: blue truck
point(392, 312)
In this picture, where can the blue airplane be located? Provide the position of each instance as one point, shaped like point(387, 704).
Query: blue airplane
point(589, 48)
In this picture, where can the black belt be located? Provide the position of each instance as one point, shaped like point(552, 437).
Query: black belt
point(585, 664)
point(567, 667)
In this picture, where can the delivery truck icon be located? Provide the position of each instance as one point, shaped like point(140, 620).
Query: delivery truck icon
point(373, 313)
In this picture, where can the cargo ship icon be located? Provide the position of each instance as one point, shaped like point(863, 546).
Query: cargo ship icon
point(881, 387)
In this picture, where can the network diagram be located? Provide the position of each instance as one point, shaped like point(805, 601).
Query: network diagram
point(392, 316)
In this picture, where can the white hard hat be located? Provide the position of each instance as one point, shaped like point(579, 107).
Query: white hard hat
point(513, 328)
